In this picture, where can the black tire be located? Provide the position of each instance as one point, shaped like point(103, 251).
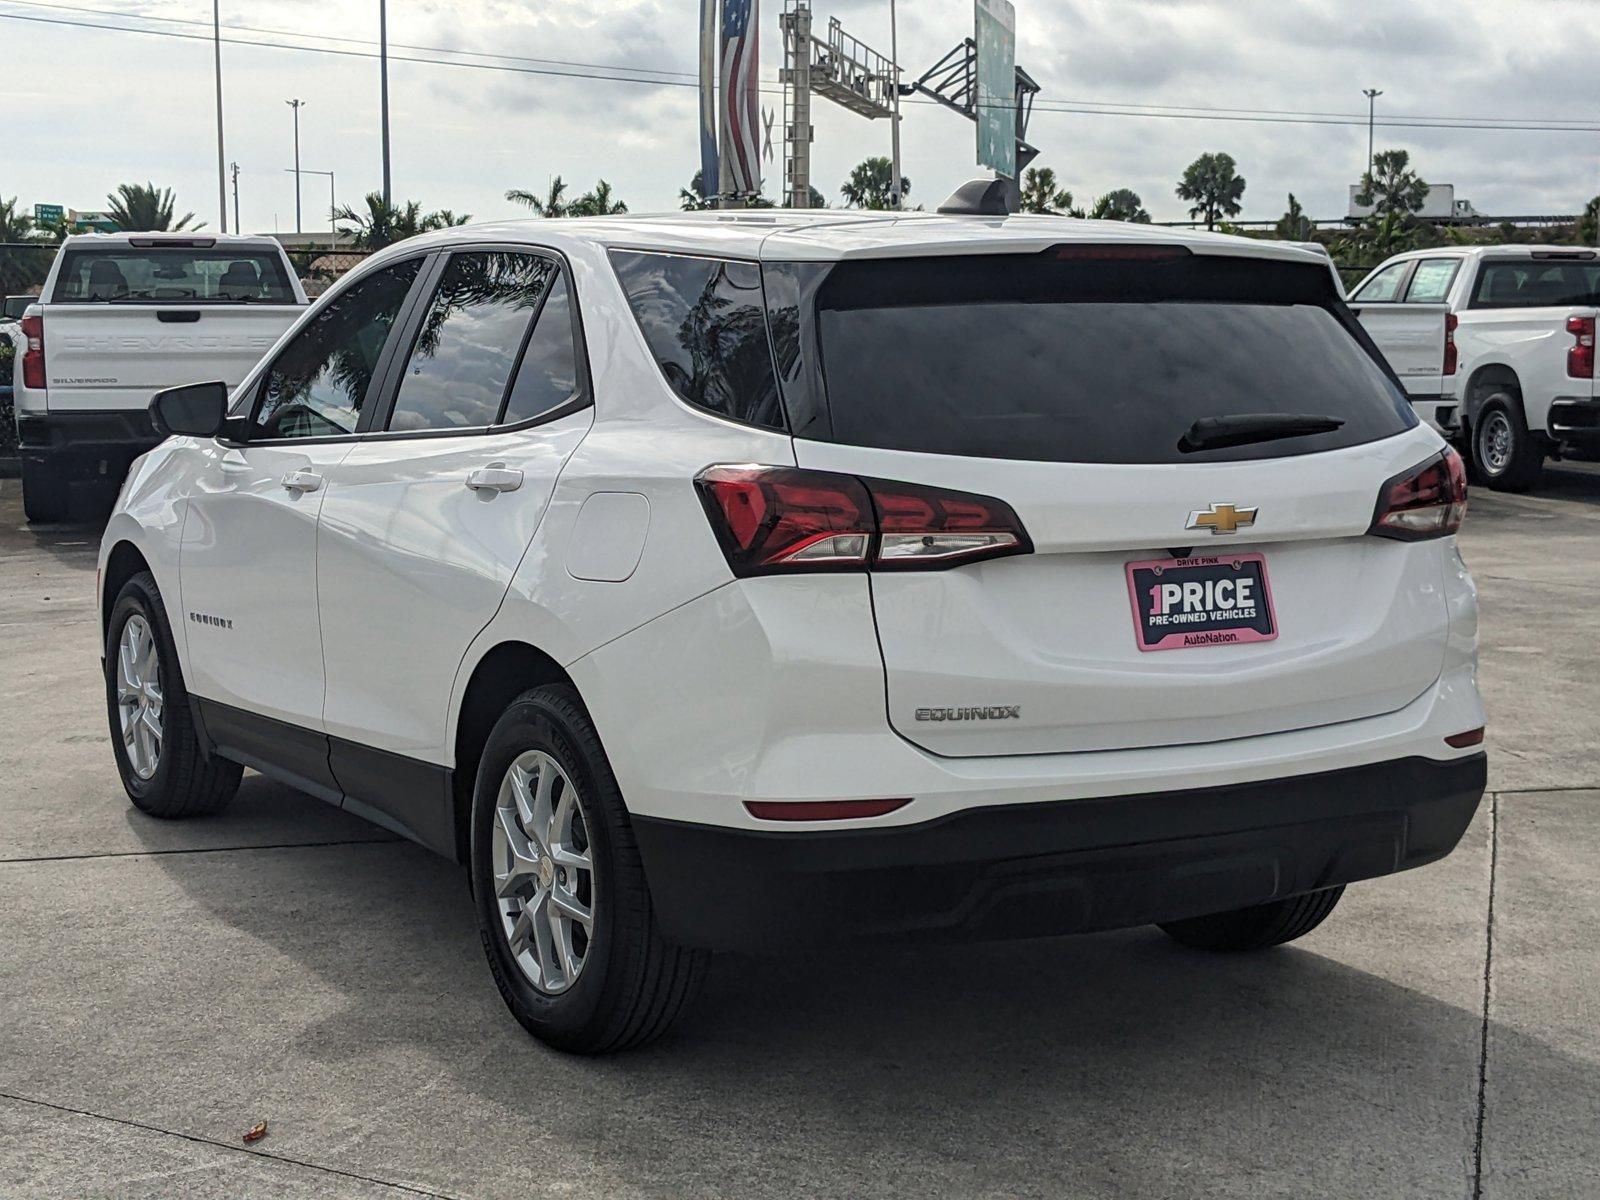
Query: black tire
point(46, 498)
point(1257, 927)
point(1517, 466)
point(186, 783)
point(633, 983)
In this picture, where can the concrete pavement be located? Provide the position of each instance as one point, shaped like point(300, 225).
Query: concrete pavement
point(165, 986)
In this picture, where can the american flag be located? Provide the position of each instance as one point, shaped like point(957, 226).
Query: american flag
point(741, 130)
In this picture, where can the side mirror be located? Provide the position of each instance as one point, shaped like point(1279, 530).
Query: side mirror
point(17, 305)
point(194, 410)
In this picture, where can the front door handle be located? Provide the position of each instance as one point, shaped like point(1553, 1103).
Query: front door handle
point(496, 477)
point(302, 481)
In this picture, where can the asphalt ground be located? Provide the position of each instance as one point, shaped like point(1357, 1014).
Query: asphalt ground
point(165, 986)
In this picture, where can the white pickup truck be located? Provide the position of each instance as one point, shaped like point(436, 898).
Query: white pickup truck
point(1496, 347)
point(120, 317)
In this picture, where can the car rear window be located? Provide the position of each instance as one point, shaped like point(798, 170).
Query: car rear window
point(1535, 283)
point(172, 275)
point(1055, 358)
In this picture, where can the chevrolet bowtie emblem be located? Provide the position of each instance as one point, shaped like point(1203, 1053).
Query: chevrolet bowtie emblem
point(1221, 518)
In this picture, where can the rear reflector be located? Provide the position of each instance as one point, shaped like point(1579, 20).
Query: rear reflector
point(1425, 502)
point(771, 520)
point(1472, 737)
point(821, 810)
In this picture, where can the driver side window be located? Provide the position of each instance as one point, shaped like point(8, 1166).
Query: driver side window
point(318, 384)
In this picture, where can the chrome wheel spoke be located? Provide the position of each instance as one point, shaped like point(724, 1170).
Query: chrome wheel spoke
point(139, 695)
point(543, 871)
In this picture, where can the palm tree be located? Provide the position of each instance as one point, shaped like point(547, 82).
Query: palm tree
point(1589, 223)
point(384, 224)
point(1213, 186)
point(597, 202)
point(1294, 225)
point(693, 198)
point(552, 205)
point(1392, 186)
point(1041, 195)
point(868, 185)
point(143, 207)
point(1121, 204)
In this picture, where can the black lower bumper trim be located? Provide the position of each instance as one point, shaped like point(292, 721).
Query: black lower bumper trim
point(1061, 867)
point(77, 442)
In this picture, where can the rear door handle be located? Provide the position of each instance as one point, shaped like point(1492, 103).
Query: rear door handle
point(302, 481)
point(496, 477)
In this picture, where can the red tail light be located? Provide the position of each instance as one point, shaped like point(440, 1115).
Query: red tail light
point(33, 353)
point(1580, 357)
point(1425, 502)
point(779, 519)
point(1450, 356)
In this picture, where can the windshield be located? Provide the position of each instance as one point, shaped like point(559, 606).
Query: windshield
point(173, 275)
point(1053, 358)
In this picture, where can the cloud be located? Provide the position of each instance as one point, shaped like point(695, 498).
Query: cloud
point(463, 135)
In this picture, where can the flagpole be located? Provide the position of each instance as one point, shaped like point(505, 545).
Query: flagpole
point(710, 168)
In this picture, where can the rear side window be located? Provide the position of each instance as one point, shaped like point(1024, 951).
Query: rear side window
point(1536, 283)
point(705, 322)
point(1431, 283)
point(1384, 287)
point(1041, 358)
point(317, 386)
point(471, 335)
point(172, 275)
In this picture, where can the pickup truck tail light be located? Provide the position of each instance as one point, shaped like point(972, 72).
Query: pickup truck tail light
point(778, 520)
point(1427, 501)
point(1451, 358)
point(33, 352)
point(1580, 356)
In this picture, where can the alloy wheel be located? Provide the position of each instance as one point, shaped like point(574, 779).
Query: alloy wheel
point(543, 871)
point(139, 696)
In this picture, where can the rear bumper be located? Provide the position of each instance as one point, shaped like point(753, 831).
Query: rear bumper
point(1058, 867)
point(78, 443)
point(1574, 419)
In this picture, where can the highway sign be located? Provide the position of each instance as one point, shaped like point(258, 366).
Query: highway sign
point(48, 214)
point(995, 27)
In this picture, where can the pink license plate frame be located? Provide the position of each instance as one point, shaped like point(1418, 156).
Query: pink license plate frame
point(1191, 639)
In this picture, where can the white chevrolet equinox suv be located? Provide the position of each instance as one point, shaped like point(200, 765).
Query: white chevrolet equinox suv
point(767, 580)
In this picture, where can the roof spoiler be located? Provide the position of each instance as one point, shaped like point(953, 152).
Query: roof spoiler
point(182, 243)
point(980, 198)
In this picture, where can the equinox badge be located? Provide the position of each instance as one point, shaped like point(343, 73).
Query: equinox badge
point(993, 712)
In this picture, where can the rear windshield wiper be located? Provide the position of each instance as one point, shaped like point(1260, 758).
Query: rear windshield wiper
point(1213, 433)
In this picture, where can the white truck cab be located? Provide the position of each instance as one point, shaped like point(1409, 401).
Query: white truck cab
point(1510, 369)
point(121, 316)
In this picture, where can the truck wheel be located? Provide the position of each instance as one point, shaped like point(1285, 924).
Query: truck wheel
point(46, 499)
point(152, 733)
point(1257, 927)
point(564, 912)
point(1508, 458)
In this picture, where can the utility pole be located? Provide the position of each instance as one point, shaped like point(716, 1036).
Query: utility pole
point(1372, 95)
point(297, 105)
point(383, 89)
point(894, 120)
point(233, 169)
point(222, 158)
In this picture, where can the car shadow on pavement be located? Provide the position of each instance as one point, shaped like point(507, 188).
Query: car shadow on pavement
point(1109, 1064)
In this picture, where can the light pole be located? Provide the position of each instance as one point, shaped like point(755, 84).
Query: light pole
point(222, 158)
point(297, 105)
point(233, 169)
point(383, 89)
point(1372, 95)
point(333, 207)
point(894, 120)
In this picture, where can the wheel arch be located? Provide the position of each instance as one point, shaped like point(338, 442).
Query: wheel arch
point(502, 674)
point(124, 561)
point(1485, 381)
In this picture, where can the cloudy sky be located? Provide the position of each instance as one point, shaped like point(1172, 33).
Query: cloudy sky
point(86, 108)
